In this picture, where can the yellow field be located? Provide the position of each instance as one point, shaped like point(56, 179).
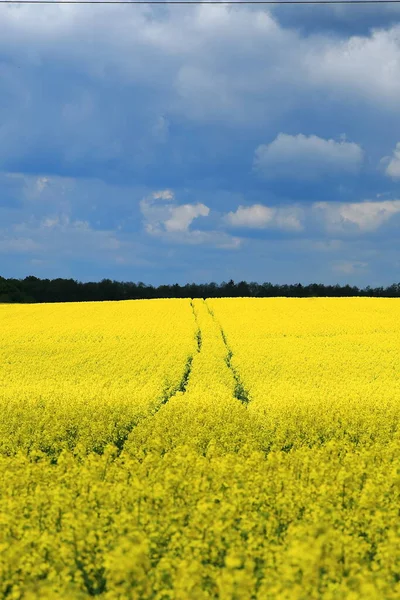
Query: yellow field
point(176, 449)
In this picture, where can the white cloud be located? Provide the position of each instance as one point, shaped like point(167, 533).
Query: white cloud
point(218, 239)
point(41, 183)
point(161, 215)
point(332, 217)
point(41, 190)
point(182, 216)
point(50, 222)
point(181, 64)
point(190, 59)
point(163, 195)
point(172, 222)
point(365, 216)
point(17, 245)
point(368, 66)
point(289, 218)
point(61, 237)
point(177, 53)
point(349, 267)
point(259, 216)
point(306, 158)
point(63, 223)
point(393, 163)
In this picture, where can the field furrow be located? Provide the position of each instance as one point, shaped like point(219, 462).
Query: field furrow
point(194, 415)
point(317, 369)
point(240, 392)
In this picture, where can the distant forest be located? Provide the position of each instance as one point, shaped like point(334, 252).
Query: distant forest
point(33, 289)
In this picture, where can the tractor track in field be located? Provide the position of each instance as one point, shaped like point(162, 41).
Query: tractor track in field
point(198, 332)
point(240, 392)
point(182, 385)
point(168, 394)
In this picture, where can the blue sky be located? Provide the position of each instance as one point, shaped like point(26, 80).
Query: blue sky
point(200, 143)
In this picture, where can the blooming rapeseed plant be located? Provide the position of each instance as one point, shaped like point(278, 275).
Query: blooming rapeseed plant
point(220, 449)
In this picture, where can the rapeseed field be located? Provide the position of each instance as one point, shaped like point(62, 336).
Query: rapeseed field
point(200, 449)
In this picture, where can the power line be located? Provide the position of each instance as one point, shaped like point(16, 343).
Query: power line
point(276, 2)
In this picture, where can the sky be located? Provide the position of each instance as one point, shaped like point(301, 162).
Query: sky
point(199, 143)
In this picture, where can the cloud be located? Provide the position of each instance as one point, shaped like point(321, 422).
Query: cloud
point(61, 220)
point(259, 216)
point(393, 163)
point(172, 222)
point(217, 239)
point(306, 158)
point(113, 110)
point(182, 216)
point(163, 97)
point(63, 223)
point(61, 236)
point(323, 217)
point(349, 267)
point(163, 195)
point(160, 217)
point(338, 18)
point(39, 191)
point(368, 66)
point(41, 183)
point(363, 216)
point(18, 245)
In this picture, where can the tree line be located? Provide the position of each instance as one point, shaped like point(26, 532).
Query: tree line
point(34, 289)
